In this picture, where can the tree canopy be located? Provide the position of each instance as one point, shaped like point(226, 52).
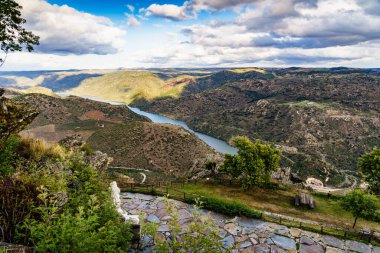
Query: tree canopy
point(254, 163)
point(13, 118)
point(369, 166)
point(13, 36)
point(360, 204)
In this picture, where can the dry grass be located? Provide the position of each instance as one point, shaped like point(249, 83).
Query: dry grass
point(37, 149)
point(246, 70)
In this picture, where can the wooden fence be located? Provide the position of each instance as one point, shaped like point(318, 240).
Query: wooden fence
point(166, 189)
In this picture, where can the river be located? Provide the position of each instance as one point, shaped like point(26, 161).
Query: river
point(218, 145)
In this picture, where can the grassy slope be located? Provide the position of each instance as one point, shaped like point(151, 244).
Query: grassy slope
point(281, 201)
point(246, 70)
point(36, 89)
point(128, 86)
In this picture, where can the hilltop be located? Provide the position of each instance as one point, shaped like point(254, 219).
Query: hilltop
point(132, 140)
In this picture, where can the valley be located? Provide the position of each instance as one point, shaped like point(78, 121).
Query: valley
point(322, 119)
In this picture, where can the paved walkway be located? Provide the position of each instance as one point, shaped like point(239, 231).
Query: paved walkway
point(243, 234)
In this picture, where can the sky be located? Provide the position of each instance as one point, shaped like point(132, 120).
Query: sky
point(110, 34)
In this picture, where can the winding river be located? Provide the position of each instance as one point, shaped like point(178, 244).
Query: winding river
point(218, 145)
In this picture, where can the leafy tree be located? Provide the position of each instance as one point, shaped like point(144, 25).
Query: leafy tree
point(369, 166)
point(13, 36)
point(360, 204)
point(13, 118)
point(254, 163)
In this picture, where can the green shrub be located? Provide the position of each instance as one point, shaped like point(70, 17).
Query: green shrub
point(8, 156)
point(227, 207)
point(86, 221)
point(85, 148)
point(199, 235)
point(78, 230)
point(16, 201)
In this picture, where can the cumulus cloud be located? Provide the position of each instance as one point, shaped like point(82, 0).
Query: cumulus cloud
point(190, 8)
point(282, 33)
point(293, 23)
point(168, 11)
point(198, 5)
point(64, 30)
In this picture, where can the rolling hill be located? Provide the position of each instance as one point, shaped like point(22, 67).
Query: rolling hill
point(132, 140)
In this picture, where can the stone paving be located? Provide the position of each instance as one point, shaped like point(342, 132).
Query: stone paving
point(243, 234)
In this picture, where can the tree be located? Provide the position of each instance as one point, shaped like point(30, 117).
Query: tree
point(369, 166)
point(360, 204)
point(254, 163)
point(13, 118)
point(13, 36)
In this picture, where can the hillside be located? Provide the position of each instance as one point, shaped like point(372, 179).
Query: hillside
point(128, 86)
point(322, 119)
point(132, 140)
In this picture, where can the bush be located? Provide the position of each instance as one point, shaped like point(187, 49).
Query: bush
point(227, 207)
point(17, 199)
point(78, 230)
point(8, 156)
point(87, 222)
point(85, 148)
point(199, 235)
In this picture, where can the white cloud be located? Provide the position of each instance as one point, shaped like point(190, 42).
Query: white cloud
point(64, 30)
point(130, 7)
point(272, 33)
point(168, 11)
point(198, 5)
point(132, 20)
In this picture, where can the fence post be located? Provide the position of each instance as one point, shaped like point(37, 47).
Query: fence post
point(280, 220)
point(345, 234)
point(300, 224)
point(321, 229)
